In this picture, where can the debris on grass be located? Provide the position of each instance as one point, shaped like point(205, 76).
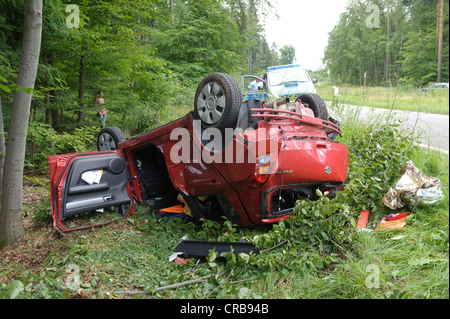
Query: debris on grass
point(412, 187)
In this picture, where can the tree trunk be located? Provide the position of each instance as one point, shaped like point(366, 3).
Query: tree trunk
point(387, 51)
point(11, 226)
point(440, 35)
point(172, 9)
point(50, 113)
point(82, 85)
point(249, 61)
point(57, 119)
point(2, 150)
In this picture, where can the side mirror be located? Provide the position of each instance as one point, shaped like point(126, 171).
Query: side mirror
point(314, 80)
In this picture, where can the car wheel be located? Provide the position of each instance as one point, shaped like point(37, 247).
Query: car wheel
point(217, 101)
point(333, 135)
point(109, 138)
point(315, 103)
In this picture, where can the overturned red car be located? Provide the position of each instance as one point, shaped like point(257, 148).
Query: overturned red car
point(248, 162)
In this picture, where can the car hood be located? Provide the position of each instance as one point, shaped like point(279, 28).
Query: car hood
point(291, 88)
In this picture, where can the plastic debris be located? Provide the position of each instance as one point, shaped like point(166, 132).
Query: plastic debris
point(429, 195)
point(92, 177)
point(362, 221)
point(178, 209)
point(179, 260)
point(411, 184)
point(200, 249)
point(175, 255)
point(393, 221)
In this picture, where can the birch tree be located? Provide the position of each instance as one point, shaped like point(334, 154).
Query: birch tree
point(11, 226)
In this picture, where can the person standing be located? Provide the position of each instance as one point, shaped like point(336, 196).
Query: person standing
point(256, 85)
point(101, 110)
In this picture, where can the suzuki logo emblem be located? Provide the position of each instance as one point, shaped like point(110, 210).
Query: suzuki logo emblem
point(328, 170)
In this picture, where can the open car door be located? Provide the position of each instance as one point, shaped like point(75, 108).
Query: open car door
point(89, 183)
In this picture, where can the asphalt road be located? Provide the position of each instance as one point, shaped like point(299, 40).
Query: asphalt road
point(432, 130)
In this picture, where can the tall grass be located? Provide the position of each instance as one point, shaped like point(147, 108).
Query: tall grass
point(399, 98)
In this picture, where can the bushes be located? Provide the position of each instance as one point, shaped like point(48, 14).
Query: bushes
point(43, 141)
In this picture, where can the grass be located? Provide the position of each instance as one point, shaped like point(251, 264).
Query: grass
point(399, 98)
point(130, 258)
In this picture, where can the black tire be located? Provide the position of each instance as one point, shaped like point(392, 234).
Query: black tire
point(315, 103)
point(109, 138)
point(217, 101)
point(332, 136)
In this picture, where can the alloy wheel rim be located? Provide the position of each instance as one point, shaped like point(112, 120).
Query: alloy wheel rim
point(211, 103)
point(106, 142)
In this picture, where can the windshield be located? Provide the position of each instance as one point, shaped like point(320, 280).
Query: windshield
point(280, 76)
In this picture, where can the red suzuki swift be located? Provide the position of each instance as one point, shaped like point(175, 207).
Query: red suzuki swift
point(246, 161)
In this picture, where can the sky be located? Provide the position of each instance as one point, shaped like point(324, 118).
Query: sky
point(305, 25)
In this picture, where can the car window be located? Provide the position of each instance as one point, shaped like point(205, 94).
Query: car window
point(277, 77)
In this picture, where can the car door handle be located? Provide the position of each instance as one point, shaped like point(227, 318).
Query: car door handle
point(88, 188)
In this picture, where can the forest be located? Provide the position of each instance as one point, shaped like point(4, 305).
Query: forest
point(387, 43)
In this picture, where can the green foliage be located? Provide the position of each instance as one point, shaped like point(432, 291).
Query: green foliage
point(401, 47)
point(287, 54)
point(378, 152)
point(44, 141)
point(30, 285)
point(201, 42)
point(418, 58)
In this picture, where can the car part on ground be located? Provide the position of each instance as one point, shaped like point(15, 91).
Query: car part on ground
point(412, 187)
point(201, 249)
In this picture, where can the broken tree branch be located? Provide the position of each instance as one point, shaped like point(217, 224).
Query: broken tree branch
point(273, 247)
point(189, 282)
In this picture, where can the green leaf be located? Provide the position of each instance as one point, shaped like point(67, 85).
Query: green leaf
point(212, 255)
point(27, 90)
point(5, 88)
